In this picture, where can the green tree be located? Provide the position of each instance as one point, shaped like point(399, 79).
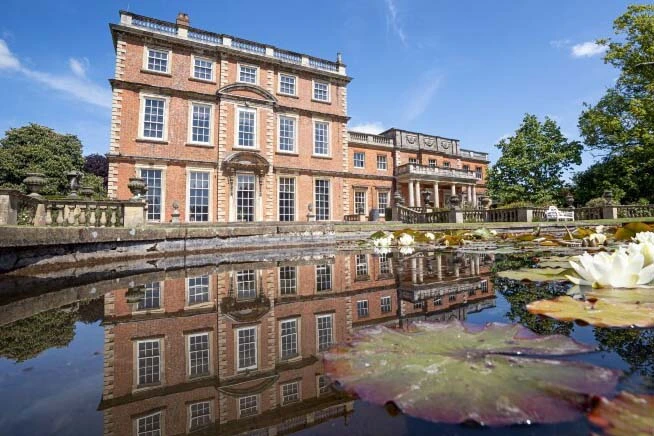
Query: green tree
point(35, 148)
point(533, 162)
point(621, 124)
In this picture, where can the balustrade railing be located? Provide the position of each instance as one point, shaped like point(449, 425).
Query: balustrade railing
point(322, 64)
point(203, 36)
point(154, 24)
point(588, 213)
point(474, 215)
point(288, 56)
point(365, 138)
point(635, 211)
point(435, 171)
point(249, 46)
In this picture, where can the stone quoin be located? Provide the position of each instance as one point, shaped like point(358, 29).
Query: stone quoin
point(230, 130)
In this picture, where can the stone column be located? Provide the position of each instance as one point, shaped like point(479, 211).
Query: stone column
point(417, 194)
point(437, 199)
point(439, 267)
point(453, 189)
point(411, 197)
point(421, 270)
point(474, 195)
point(477, 263)
point(469, 193)
point(414, 270)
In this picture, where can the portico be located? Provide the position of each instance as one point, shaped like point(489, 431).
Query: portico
point(440, 184)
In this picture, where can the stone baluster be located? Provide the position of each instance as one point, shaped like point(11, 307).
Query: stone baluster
point(82, 214)
point(48, 215)
point(103, 216)
point(72, 214)
point(60, 214)
point(92, 218)
point(113, 218)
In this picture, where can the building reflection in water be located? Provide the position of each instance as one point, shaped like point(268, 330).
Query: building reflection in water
point(235, 349)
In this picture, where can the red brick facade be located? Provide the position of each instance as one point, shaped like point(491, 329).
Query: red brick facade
point(225, 129)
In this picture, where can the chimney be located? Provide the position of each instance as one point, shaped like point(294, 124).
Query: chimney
point(183, 20)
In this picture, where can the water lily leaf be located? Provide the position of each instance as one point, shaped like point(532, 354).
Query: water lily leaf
point(629, 230)
point(557, 261)
point(498, 374)
point(537, 274)
point(615, 295)
point(625, 415)
point(598, 313)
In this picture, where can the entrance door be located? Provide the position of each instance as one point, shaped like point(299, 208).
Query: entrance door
point(245, 197)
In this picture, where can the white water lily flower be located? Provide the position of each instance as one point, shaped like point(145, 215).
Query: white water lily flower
point(619, 269)
point(382, 250)
point(600, 229)
point(382, 242)
point(600, 238)
point(493, 232)
point(430, 236)
point(405, 240)
point(406, 250)
point(644, 237)
point(644, 248)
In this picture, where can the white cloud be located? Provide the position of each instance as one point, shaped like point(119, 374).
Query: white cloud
point(79, 66)
point(75, 85)
point(394, 21)
point(422, 94)
point(587, 49)
point(7, 60)
point(373, 128)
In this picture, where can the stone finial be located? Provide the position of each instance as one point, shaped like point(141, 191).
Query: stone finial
point(339, 58)
point(183, 19)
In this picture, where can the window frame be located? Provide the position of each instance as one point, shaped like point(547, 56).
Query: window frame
point(240, 66)
point(385, 160)
point(414, 161)
point(137, 373)
point(331, 328)
point(207, 303)
point(258, 406)
point(162, 212)
point(295, 197)
point(141, 127)
point(295, 84)
point(160, 285)
point(314, 82)
point(365, 200)
point(382, 211)
point(298, 335)
point(189, 139)
point(210, 363)
point(255, 136)
point(328, 134)
point(389, 305)
point(162, 421)
point(363, 309)
point(209, 171)
point(256, 348)
point(192, 428)
point(296, 122)
point(331, 278)
point(298, 383)
point(279, 278)
point(329, 200)
point(195, 57)
point(362, 161)
point(146, 59)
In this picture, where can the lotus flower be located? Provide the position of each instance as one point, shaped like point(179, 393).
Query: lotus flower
point(644, 237)
point(600, 238)
point(430, 236)
point(620, 269)
point(405, 240)
point(646, 249)
point(600, 229)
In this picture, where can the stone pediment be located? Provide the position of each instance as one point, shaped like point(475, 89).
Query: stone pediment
point(247, 91)
point(247, 161)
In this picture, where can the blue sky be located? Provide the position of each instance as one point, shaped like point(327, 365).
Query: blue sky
point(462, 69)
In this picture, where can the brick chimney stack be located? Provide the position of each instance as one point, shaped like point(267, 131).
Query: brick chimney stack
point(183, 20)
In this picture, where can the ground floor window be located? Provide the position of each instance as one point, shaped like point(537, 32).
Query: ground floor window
point(245, 197)
point(362, 308)
point(286, 199)
point(361, 262)
point(151, 299)
point(322, 200)
point(325, 331)
point(360, 202)
point(198, 196)
point(149, 425)
point(199, 414)
point(153, 181)
point(323, 277)
point(382, 202)
point(288, 338)
point(386, 304)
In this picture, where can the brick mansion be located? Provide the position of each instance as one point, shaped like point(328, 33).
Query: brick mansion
point(223, 129)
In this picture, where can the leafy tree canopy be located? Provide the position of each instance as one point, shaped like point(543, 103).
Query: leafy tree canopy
point(35, 148)
point(533, 162)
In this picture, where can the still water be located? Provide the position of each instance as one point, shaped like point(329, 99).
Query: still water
point(233, 346)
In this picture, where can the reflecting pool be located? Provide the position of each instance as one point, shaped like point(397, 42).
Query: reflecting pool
point(234, 345)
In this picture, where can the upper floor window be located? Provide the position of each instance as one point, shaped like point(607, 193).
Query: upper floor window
point(323, 277)
point(432, 163)
point(200, 123)
point(246, 284)
point(287, 84)
point(359, 159)
point(321, 138)
point(247, 119)
point(321, 91)
point(202, 69)
point(287, 280)
point(478, 173)
point(446, 164)
point(246, 344)
point(157, 60)
point(247, 74)
point(198, 290)
point(381, 162)
point(466, 168)
point(286, 133)
point(151, 299)
point(149, 364)
point(413, 161)
point(248, 406)
point(149, 425)
point(198, 355)
point(154, 110)
point(199, 415)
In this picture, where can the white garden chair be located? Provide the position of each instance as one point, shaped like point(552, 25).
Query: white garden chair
point(554, 214)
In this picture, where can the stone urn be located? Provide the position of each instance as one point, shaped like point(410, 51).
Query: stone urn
point(175, 215)
point(86, 191)
point(570, 201)
point(398, 198)
point(74, 178)
point(426, 196)
point(35, 183)
point(608, 196)
point(455, 201)
point(137, 187)
point(485, 201)
point(134, 295)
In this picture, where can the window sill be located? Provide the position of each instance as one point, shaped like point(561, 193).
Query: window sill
point(199, 144)
point(152, 141)
point(255, 83)
point(321, 156)
point(321, 101)
point(240, 147)
point(139, 388)
point(288, 153)
point(156, 73)
point(207, 81)
point(358, 168)
point(283, 94)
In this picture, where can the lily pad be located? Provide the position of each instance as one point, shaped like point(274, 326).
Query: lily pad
point(537, 274)
point(557, 261)
point(598, 313)
point(615, 295)
point(629, 230)
point(625, 415)
point(498, 374)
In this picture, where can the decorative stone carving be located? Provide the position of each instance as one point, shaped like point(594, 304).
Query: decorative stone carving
point(455, 201)
point(397, 197)
point(485, 201)
point(429, 142)
point(137, 187)
point(608, 196)
point(445, 144)
point(570, 200)
point(86, 191)
point(35, 183)
point(411, 139)
point(175, 214)
point(245, 161)
point(73, 182)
